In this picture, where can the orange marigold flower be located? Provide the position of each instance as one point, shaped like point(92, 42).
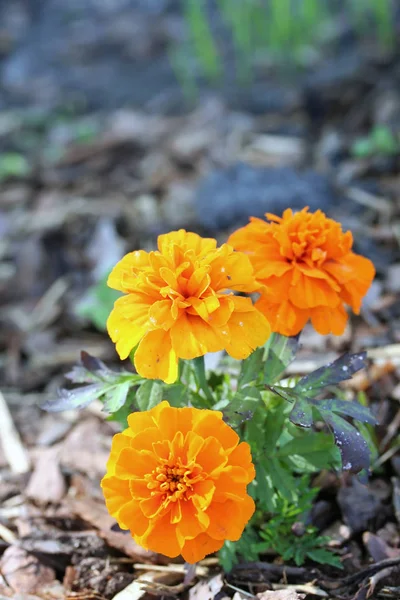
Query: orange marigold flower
point(306, 263)
point(176, 304)
point(177, 479)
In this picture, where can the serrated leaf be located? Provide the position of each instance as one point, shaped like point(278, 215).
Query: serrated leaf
point(72, 399)
point(91, 370)
point(242, 406)
point(115, 398)
point(149, 395)
point(332, 374)
point(281, 478)
point(279, 354)
point(310, 453)
point(325, 557)
point(251, 368)
point(301, 413)
point(353, 447)
point(351, 409)
point(273, 425)
point(265, 490)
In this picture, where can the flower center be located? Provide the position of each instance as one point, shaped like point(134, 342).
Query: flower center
point(173, 483)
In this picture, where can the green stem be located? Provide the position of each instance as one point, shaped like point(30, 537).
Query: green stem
point(201, 379)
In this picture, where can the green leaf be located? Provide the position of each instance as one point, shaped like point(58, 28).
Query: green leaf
point(114, 399)
point(344, 407)
point(325, 557)
point(301, 413)
point(339, 370)
point(242, 406)
point(149, 394)
point(227, 556)
point(13, 164)
point(176, 394)
point(265, 491)
point(103, 383)
point(362, 147)
point(273, 425)
point(281, 478)
point(251, 368)
point(97, 304)
point(279, 353)
point(311, 452)
point(75, 398)
point(353, 447)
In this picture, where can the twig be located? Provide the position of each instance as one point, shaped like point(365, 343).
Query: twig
point(14, 451)
point(361, 575)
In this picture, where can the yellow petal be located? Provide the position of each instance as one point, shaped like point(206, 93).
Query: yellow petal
point(124, 274)
point(247, 331)
point(125, 333)
point(192, 337)
point(155, 357)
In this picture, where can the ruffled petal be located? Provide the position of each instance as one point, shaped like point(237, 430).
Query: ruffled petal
point(309, 292)
point(124, 274)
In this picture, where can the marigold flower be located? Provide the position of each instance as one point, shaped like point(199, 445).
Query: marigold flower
point(306, 263)
point(176, 304)
point(177, 478)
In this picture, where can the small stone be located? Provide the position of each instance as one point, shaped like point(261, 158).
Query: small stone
point(393, 278)
point(188, 145)
point(177, 208)
point(144, 213)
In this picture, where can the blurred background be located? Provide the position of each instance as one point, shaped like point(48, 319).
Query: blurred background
point(123, 119)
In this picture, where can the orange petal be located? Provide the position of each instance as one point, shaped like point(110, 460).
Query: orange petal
point(309, 292)
point(329, 320)
point(211, 457)
point(135, 463)
point(155, 358)
point(285, 318)
point(210, 421)
point(162, 538)
point(116, 493)
point(131, 517)
point(228, 519)
point(241, 457)
point(171, 420)
point(190, 525)
point(196, 549)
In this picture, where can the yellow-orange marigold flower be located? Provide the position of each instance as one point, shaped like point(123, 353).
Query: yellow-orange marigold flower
point(177, 479)
point(306, 263)
point(176, 304)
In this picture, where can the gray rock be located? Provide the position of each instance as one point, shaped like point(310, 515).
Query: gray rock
point(228, 197)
